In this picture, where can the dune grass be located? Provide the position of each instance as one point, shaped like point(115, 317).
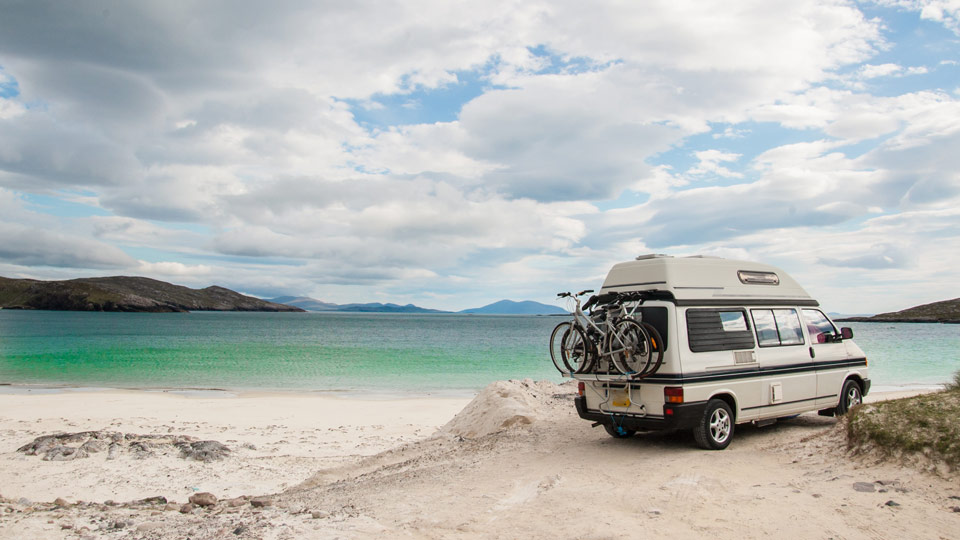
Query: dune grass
point(925, 425)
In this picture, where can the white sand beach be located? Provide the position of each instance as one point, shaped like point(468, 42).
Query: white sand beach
point(516, 462)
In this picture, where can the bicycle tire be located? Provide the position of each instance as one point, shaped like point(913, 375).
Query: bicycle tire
point(657, 345)
point(628, 346)
point(557, 338)
point(575, 350)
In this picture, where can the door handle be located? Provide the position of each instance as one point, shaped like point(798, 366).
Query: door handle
point(812, 353)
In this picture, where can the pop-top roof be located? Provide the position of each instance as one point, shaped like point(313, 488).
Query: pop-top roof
point(705, 278)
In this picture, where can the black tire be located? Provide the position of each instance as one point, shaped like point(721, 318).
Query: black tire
point(657, 346)
point(850, 396)
point(715, 429)
point(575, 351)
point(557, 338)
point(618, 432)
point(628, 346)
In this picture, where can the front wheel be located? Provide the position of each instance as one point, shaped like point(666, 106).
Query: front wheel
point(850, 396)
point(715, 429)
point(628, 346)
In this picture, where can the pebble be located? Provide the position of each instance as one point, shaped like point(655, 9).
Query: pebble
point(61, 502)
point(171, 506)
point(148, 526)
point(892, 503)
point(239, 501)
point(956, 509)
point(203, 499)
point(158, 499)
point(187, 508)
point(319, 515)
point(864, 487)
point(260, 502)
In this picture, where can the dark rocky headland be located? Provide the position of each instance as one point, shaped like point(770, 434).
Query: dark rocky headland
point(123, 293)
point(946, 311)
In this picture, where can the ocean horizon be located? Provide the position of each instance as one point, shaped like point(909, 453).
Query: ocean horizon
point(374, 354)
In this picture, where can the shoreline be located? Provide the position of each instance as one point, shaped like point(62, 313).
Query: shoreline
point(226, 393)
point(371, 393)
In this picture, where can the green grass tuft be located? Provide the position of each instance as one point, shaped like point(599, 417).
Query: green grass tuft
point(925, 425)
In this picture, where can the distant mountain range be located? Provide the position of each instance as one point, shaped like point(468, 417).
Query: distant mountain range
point(945, 311)
point(503, 307)
point(123, 293)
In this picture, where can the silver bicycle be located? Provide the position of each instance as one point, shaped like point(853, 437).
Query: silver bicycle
point(609, 333)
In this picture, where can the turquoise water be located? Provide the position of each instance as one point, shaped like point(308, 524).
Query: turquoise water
point(384, 353)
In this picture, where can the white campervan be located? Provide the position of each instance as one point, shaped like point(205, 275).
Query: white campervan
point(739, 342)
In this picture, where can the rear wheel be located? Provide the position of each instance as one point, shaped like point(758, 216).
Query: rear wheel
point(850, 396)
point(557, 338)
point(715, 429)
point(575, 350)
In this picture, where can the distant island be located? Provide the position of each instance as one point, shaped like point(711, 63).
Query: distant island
point(312, 304)
point(503, 307)
point(123, 293)
point(946, 311)
point(509, 307)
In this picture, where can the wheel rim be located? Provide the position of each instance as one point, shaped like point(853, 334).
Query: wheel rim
point(853, 396)
point(719, 426)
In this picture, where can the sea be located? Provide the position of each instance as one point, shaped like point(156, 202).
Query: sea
point(375, 354)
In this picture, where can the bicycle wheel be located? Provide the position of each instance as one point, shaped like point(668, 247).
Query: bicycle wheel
point(575, 350)
point(628, 345)
point(557, 338)
point(657, 346)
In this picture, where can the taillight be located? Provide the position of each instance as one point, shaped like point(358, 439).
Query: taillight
point(580, 388)
point(673, 394)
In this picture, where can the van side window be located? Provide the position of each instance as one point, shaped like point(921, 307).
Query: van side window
point(718, 330)
point(817, 324)
point(777, 327)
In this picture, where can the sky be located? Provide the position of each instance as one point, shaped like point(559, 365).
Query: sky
point(452, 154)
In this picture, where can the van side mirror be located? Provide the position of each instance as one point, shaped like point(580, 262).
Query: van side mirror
point(846, 333)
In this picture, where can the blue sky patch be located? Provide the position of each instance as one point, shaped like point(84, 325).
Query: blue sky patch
point(421, 105)
point(9, 87)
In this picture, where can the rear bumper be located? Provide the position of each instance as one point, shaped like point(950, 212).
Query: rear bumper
point(866, 386)
point(675, 416)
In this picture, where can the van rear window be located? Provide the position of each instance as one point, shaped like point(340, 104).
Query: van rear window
point(718, 330)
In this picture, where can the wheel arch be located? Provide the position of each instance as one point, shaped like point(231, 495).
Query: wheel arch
point(728, 397)
point(856, 377)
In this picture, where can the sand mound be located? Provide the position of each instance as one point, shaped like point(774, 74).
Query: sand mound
point(502, 405)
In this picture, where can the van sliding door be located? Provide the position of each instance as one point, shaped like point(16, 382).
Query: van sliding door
point(789, 382)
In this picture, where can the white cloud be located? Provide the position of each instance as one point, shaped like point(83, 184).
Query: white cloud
point(237, 118)
point(30, 246)
point(709, 164)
